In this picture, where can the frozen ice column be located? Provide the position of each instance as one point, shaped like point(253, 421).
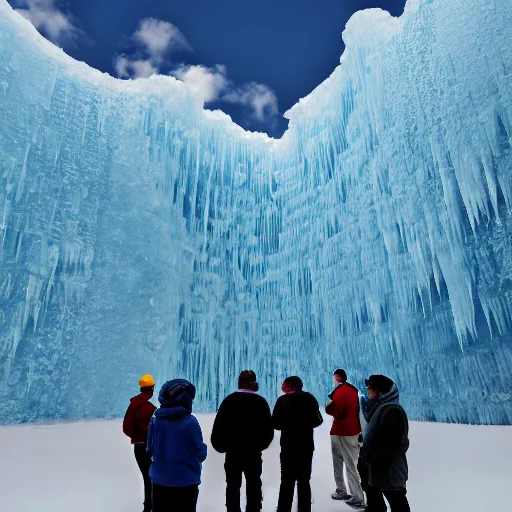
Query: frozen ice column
point(143, 233)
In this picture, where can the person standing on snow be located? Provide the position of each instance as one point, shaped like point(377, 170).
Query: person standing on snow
point(296, 414)
point(344, 407)
point(362, 467)
point(176, 443)
point(385, 443)
point(135, 426)
point(242, 430)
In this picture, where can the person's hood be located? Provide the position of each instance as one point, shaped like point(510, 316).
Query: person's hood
point(140, 399)
point(172, 413)
point(371, 405)
point(177, 395)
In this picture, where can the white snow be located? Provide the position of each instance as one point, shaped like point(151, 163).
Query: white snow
point(89, 466)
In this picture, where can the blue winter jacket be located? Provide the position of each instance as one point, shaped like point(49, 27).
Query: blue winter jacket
point(176, 442)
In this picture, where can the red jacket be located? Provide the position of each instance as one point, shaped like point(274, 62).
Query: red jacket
point(345, 410)
point(137, 418)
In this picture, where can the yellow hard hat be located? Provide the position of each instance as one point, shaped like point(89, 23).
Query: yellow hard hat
point(146, 381)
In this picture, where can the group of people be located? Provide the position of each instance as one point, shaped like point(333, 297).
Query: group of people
point(369, 441)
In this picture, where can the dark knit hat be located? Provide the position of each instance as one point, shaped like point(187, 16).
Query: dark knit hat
point(177, 392)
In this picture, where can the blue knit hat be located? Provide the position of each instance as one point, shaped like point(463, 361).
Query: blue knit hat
point(177, 391)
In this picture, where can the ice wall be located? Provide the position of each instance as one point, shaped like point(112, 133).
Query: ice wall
point(141, 233)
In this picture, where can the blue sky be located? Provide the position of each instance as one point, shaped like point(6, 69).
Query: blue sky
point(253, 60)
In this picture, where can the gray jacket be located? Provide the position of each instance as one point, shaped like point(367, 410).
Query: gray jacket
point(385, 444)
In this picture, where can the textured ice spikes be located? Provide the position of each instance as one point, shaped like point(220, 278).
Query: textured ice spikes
point(140, 233)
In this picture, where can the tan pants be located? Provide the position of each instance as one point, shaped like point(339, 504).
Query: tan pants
point(345, 451)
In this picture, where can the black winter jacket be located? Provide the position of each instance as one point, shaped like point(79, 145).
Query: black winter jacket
point(296, 415)
point(243, 424)
point(386, 442)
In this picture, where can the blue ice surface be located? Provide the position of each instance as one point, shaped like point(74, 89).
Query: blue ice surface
point(141, 233)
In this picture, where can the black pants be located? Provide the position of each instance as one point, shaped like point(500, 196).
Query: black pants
point(144, 462)
point(295, 467)
point(397, 500)
point(248, 464)
point(362, 469)
point(175, 499)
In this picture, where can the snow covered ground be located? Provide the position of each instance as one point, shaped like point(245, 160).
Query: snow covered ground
point(89, 466)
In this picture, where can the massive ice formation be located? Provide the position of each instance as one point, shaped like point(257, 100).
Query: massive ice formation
point(140, 233)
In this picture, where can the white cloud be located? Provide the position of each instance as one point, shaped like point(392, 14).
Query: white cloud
point(121, 66)
point(127, 68)
point(48, 19)
point(143, 68)
point(207, 83)
point(212, 84)
point(157, 39)
point(259, 97)
point(160, 37)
